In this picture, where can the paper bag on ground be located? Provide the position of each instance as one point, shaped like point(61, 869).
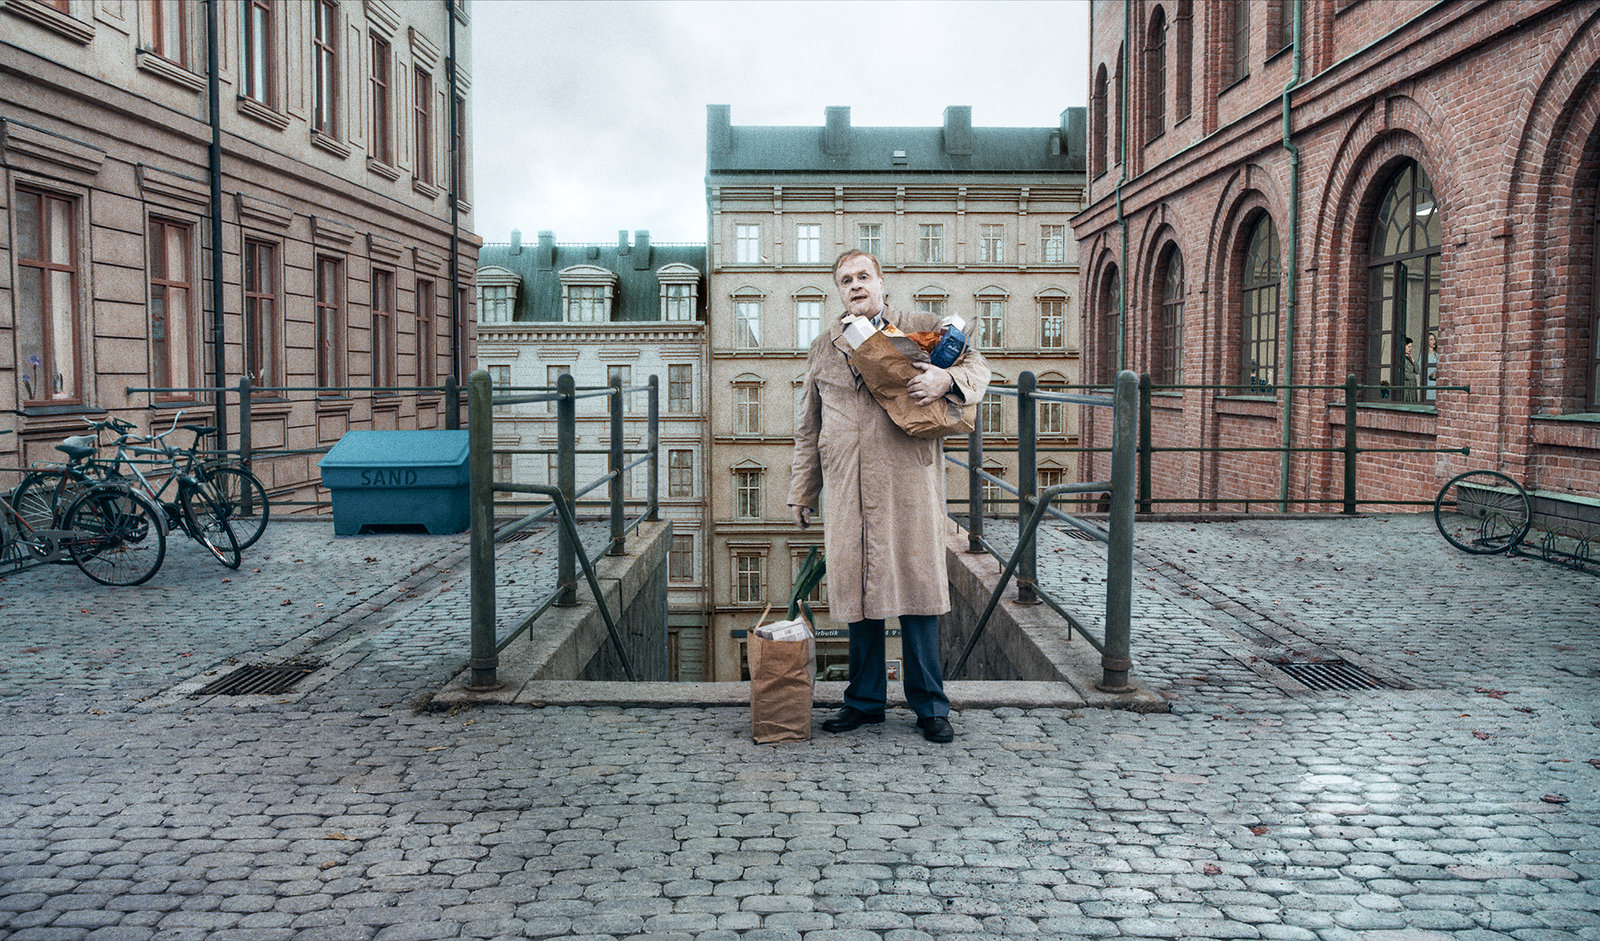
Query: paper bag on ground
point(886, 364)
point(781, 675)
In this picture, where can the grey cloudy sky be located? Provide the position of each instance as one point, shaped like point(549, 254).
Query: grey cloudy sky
point(590, 115)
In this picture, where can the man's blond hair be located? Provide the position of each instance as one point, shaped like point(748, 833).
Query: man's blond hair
point(856, 253)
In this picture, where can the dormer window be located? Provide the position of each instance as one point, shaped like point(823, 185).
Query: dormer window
point(497, 294)
point(680, 292)
point(587, 292)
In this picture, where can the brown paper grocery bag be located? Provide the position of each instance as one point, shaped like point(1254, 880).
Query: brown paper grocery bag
point(886, 365)
point(781, 674)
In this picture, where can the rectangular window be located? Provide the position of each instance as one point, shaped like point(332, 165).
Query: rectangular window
point(807, 322)
point(992, 493)
point(1241, 39)
point(499, 377)
point(502, 468)
point(458, 134)
point(747, 244)
point(680, 559)
point(1053, 244)
point(427, 342)
point(1052, 323)
point(325, 68)
point(819, 592)
point(623, 374)
point(47, 252)
point(422, 114)
point(261, 330)
point(932, 305)
point(382, 141)
point(869, 237)
point(330, 321)
point(258, 64)
point(173, 331)
point(749, 576)
point(991, 419)
point(930, 243)
point(552, 375)
point(991, 324)
point(1052, 416)
point(494, 304)
point(747, 494)
point(808, 243)
point(1050, 477)
point(680, 473)
point(680, 389)
point(383, 358)
point(586, 303)
point(747, 325)
point(167, 32)
point(747, 410)
point(680, 302)
point(991, 243)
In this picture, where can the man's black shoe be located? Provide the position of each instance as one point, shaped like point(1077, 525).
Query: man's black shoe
point(850, 718)
point(936, 729)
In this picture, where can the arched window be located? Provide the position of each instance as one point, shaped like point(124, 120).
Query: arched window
point(1240, 45)
point(1052, 415)
point(1097, 120)
point(1258, 319)
point(1403, 293)
point(1117, 142)
point(1156, 77)
point(1182, 82)
point(1168, 366)
point(1110, 310)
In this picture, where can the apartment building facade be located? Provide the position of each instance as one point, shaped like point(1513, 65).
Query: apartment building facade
point(629, 310)
point(966, 220)
point(340, 187)
point(1283, 194)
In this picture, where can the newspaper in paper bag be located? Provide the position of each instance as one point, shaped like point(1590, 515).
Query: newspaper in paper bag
point(782, 668)
point(886, 363)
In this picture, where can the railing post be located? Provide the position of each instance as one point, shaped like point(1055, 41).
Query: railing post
point(1115, 661)
point(1350, 444)
point(615, 462)
point(480, 477)
point(452, 403)
point(653, 445)
point(975, 486)
point(1027, 482)
point(1145, 387)
point(245, 395)
point(567, 480)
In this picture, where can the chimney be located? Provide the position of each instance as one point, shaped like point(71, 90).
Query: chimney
point(1074, 131)
point(641, 250)
point(958, 130)
point(516, 241)
point(622, 242)
point(547, 250)
point(719, 130)
point(836, 134)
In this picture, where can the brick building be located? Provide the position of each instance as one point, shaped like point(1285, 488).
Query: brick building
point(965, 220)
point(1404, 191)
point(342, 158)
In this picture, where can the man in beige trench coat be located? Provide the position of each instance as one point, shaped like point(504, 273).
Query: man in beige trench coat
point(885, 510)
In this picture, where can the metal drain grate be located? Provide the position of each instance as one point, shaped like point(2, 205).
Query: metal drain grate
point(259, 679)
point(518, 536)
point(1072, 533)
point(1330, 674)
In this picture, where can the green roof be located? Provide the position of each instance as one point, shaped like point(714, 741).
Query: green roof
point(637, 297)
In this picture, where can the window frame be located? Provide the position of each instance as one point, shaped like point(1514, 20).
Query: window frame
point(747, 243)
point(167, 20)
point(680, 473)
point(743, 590)
point(259, 63)
point(1239, 45)
point(747, 409)
point(380, 80)
point(163, 350)
point(328, 324)
point(1052, 242)
point(680, 390)
point(678, 303)
point(1057, 316)
point(749, 493)
point(808, 243)
point(422, 115)
point(990, 327)
point(1386, 323)
point(262, 346)
point(427, 345)
point(747, 323)
point(680, 558)
point(1255, 289)
point(1168, 346)
point(991, 243)
point(552, 374)
point(1156, 77)
point(930, 243)
point(808, 311)
point(874, 238)
point(385, 367)
point(586, 303)
point(325, 68)
point(49, 328)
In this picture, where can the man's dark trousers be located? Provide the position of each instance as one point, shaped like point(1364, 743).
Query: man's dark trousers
point(919, 642)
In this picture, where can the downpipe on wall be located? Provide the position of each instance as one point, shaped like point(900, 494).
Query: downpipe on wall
point(1292, 282)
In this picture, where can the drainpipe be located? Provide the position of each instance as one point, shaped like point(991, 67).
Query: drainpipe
point(219, 359)
point(1122, 177)
point(453, 418)
point(1292, 282)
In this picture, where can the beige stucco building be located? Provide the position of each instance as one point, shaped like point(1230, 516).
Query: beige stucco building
point(342, 130)
point(970, 221)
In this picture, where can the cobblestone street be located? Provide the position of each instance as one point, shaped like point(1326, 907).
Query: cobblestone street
point(1463, 801)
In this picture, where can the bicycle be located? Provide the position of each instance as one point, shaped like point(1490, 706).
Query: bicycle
point(113, 534)
point(1486, 512)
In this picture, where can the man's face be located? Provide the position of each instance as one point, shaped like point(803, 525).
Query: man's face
point(860, 286)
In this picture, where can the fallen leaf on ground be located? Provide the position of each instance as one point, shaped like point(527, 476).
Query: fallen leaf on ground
point(1258, 831)
point(1493, 693)
point(1480, 734)
point(1554, 799)
point(1212, 869)
point(336, 835)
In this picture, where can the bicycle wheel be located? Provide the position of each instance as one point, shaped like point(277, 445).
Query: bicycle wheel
point(245, 501)
point(42, 500)
point(208, 523)
point(1482, 512)
point(117, 537)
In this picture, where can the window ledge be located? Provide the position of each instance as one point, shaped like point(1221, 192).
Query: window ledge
point(68, 26)
point(382, 169)
point(331, 144)
point(1373, 416)
point(1581, 432)
point(425, 189)
point(251, 108)
point(335, 403)
point(148, 61)
point(1248, 406)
